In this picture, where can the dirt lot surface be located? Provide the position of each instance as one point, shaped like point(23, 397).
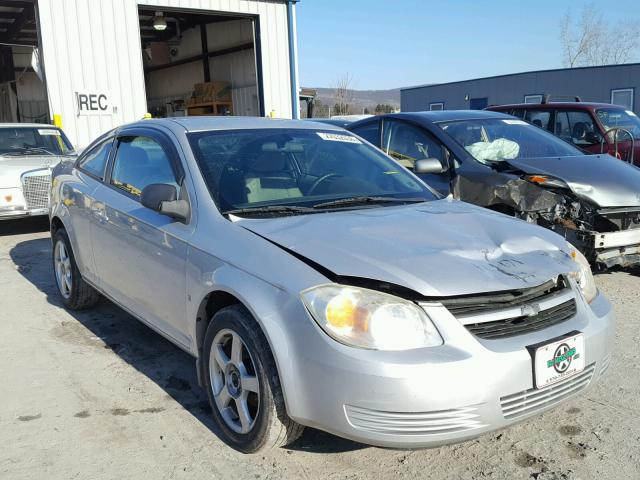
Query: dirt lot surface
point(97, 395)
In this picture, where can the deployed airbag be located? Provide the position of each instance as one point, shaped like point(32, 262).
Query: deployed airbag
point(497, 150)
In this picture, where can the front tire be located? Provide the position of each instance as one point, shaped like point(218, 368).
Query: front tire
point(242, 384)
point(75, 292)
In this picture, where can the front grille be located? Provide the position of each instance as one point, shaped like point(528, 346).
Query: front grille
point(418, 423)
point(517, 312)
point(475, 304)
point(35, 189)
point(524, 323)
point(532, 400)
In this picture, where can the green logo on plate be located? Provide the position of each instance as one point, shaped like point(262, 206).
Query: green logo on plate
point(562, 358)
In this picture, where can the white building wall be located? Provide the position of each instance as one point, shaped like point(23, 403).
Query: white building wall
point(95, 46)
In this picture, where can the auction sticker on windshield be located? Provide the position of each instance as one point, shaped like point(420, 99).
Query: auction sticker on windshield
point(48, 131)
point(559, 360)
point(335, 137)
point(515, 122)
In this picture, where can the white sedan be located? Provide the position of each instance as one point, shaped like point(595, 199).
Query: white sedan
point(28, 152)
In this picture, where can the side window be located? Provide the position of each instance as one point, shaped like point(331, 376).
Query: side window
point(516, 112)
point(95, 161)
point(539, 118)
point(576, 127)
point(408, 143)
point(140, 161)
point(370, 132)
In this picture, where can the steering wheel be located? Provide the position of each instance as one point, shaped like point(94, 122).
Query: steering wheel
point(320, 180)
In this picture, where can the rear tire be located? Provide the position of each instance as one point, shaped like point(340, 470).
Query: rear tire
point(240, 375)
point(75, 292)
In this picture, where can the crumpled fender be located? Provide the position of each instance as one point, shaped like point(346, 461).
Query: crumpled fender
point(490, 189)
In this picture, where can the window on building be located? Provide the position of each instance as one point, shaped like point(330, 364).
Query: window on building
point(479, 103)
point(622, 97)
point(533, 98)
point(436, 106)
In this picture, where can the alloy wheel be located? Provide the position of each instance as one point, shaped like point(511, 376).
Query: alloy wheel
point(63, 270)
point(234, 382)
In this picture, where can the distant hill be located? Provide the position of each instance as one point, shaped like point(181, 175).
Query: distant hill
point(363, 98)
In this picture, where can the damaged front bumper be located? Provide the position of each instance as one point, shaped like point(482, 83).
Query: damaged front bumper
point(620, 248)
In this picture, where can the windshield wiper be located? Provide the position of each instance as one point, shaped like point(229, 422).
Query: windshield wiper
point(271, 209)
point(366, 200)
point(38, 149)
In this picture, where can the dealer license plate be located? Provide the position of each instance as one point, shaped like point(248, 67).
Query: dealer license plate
point(559, 360)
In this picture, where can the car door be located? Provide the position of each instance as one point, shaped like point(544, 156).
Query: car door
point(408, 143)
point(579, 128)
point(79, 197)
point(140, 254)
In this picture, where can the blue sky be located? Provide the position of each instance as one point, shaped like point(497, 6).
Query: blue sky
point(396, 43)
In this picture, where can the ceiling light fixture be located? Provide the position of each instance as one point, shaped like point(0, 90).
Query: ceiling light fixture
point(159, 22)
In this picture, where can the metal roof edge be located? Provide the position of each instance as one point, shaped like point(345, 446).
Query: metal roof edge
point(426, 85)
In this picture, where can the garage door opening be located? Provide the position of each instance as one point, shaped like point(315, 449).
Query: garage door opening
point(23, 96)
point(199, 63)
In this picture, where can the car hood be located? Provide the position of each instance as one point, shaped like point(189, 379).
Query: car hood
point(601, 179)
point(441, 248)
point(12, 167)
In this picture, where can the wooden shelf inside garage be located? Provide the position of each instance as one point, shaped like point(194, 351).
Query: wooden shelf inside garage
point(209, 108)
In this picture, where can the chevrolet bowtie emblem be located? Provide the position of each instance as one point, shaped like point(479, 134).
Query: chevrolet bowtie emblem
point(530, 310)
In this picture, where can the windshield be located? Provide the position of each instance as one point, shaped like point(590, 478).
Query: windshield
point(33, 141)
point(497, 140)
point(298, 168)
point(618, 118)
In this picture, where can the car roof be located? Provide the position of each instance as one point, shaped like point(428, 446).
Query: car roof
point(442, 116)
point(204, 123)
point(558, 105)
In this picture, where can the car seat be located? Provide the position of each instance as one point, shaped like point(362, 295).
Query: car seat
point(269, 177)
point(580, 130)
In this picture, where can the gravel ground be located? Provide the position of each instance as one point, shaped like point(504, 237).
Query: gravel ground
point(98, 395)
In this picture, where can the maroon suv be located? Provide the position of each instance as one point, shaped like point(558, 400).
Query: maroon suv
point(593, 127)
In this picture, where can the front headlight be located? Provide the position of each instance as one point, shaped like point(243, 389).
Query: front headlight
point(370, 319)
point(546, 181)
point(583, 276)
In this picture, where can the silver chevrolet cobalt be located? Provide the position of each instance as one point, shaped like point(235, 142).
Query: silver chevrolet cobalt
point(317, 282)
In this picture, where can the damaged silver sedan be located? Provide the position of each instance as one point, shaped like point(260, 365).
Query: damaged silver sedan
point(318, 283)
point(508, 165)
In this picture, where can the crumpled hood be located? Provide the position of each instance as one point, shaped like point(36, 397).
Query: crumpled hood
point(12, 167)
point(601, 179)
point(440, 248)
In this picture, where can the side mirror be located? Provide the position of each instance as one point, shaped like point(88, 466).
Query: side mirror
point(162, 198)
point(429, 165)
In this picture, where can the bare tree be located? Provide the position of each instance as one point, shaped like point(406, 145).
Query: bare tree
point(588, 40)
point(343, 95)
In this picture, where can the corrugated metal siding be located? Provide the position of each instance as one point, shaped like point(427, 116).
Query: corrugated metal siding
point(92, 46)
point(591, 84)
point(95, 45)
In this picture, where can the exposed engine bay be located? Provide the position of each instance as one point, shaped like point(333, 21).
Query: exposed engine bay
point(608, 236)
